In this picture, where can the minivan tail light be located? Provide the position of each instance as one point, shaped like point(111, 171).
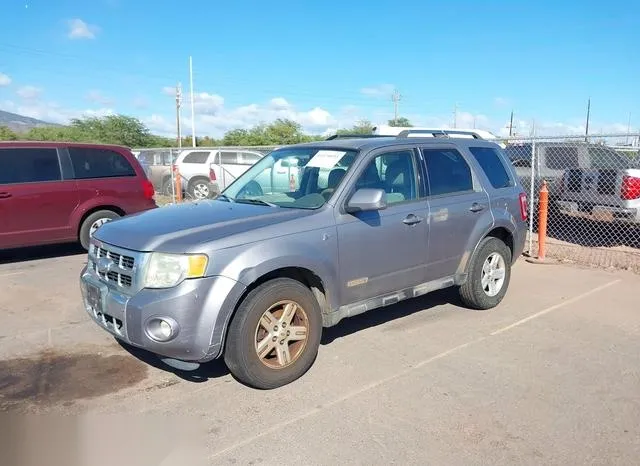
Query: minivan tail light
point(630, 188)
point(212, 173)
point(523, 206)
point(148, 189)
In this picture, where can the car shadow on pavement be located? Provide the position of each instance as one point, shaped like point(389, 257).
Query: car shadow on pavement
point(376, 317)
point(11, 256)
point(210, 370)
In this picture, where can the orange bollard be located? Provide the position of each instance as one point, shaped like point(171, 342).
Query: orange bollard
point(178, 183)
point(543, 205)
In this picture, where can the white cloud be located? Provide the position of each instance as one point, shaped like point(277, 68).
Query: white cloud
point(168, 90)
point(29, 92)
point(381, 90)
point(52, 112)
point(98, 98)
point(207, 104)
point(5, 80)
point(78, 29)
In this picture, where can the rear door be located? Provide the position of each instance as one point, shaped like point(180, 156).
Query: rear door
point(195, 163)
point(457, 202)
point(36, 200)
point(107, 176)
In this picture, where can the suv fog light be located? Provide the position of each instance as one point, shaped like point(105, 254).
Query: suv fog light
point(162, 329)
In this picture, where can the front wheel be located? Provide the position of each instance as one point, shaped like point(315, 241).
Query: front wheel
point(489, 275)
point(274, 336)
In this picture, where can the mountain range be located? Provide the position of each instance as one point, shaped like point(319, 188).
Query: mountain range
point(20, 123)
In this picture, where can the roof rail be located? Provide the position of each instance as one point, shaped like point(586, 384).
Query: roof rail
point(355, 136)
point(437, 133)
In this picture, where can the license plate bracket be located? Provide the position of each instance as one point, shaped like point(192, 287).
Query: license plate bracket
point(94, 298)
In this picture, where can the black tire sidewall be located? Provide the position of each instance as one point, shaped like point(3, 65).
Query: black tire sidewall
point(86, 225)
point(475, 295)
point(240, 354)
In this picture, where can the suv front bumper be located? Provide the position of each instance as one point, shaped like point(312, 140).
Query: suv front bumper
point(197, 310)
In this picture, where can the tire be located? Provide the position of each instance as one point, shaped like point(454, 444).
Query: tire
point(85, 233)
point(200, 189)
point(167, 189)
point(245, 330)
point(472, 292)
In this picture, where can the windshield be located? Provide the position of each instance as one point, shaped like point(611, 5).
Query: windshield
point(296, 177)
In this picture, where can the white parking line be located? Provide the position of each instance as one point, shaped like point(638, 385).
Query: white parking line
point(406, 371)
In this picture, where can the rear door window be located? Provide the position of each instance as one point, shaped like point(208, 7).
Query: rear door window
point(491, 163)
point(447, 171)
point(33, 165)
point(196, 157)
point(562, 157)
point(99, 163)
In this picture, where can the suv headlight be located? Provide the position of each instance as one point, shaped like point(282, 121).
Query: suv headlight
point(168, 270)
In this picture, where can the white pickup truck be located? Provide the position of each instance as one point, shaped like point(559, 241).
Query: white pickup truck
point(609, 194)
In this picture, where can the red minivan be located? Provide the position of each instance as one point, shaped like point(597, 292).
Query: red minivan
point(55, 192)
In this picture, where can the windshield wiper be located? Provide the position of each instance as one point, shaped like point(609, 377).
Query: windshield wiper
point(256, 202)
point(224, 197)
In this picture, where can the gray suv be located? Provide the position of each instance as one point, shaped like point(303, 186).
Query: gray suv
point(254, 275)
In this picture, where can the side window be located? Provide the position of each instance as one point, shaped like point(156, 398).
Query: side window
point(247, 158)
point(196, 157)
point(99, 163)
point(29, 165)
point(395, 172)
point(562, 157)
point(492, 165)
point(448, 172)
point(228, 158)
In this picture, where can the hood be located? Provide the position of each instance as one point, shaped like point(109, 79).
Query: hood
point(185, 227)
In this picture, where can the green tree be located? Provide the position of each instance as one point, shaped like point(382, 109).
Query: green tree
point(7, 135)
point(55, 133)
point(401, 122)
point(361, 127)
point(113, 129)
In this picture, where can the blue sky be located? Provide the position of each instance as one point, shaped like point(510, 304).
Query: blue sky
point(325, 64)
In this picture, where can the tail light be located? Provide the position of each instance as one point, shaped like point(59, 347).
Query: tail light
point(630, 188)
point(148, 189)
point(523, 206)
point(212, 173)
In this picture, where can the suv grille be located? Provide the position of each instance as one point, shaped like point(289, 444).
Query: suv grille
point(122, 276)
point(125, 262)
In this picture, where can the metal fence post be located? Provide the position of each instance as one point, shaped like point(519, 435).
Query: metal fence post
point(532, 193)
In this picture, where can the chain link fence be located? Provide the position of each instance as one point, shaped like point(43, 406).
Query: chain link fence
point(593, 184)
point(594, 196)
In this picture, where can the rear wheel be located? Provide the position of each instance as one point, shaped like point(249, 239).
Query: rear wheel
point(274, 336)
point(489, 275)
point(92, 223)
point(200, 189)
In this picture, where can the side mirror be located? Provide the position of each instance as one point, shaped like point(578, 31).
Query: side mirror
point(366, 200)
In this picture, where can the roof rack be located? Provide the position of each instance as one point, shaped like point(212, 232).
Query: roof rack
point(437, 133)
point(355, 136)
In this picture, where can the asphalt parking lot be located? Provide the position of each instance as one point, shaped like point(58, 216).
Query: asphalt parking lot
point(552, 376)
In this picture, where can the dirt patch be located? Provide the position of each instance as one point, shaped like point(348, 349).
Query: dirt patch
point(51, 378)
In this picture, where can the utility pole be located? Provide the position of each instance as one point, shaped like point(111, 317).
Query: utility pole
point(178, 105)
point(395, 98)
point(193, 112)
point(586, 132)
point(628, 130)
point(455, 115)
point(511, 125)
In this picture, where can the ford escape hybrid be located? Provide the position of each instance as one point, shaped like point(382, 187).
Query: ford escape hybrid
point(254, 275)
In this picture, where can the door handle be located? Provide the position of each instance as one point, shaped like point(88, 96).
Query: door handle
point(411, 219)
point(5, 195)
point(475, 207)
